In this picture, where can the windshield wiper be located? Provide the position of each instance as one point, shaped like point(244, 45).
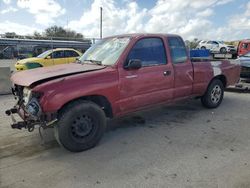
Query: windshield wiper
point(93, 61)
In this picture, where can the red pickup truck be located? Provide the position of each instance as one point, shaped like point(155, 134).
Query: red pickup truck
point(116, 76)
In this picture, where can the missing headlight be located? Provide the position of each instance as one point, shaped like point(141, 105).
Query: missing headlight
point(33, 108)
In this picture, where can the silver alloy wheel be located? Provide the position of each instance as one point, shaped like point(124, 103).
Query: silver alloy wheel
point(216, 94)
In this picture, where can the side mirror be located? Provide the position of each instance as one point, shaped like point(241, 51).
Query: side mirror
point(133, 64)
point(48, 57)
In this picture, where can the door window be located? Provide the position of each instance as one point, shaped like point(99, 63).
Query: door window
point(177, 50)
point(58, 54)
point(150, 51)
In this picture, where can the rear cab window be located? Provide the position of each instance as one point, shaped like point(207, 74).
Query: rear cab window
point(178, 50)
point(151, 52)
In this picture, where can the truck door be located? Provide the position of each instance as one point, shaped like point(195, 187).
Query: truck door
point(183, 69)
point(153, 82)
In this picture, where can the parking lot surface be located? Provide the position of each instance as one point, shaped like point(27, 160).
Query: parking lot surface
point(8, 63)
point(181, 145)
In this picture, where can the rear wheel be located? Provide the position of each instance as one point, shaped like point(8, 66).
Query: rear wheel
point(203, 48)
point(214, 94)
point(80, 126)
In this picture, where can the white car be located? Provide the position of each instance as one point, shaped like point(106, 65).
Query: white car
point(216, 46)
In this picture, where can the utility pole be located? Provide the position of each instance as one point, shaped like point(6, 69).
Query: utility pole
point(100, 22)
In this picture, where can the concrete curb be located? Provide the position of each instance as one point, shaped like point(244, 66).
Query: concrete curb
point(5, 83)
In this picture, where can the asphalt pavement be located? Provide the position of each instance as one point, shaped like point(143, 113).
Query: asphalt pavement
point(181, 145)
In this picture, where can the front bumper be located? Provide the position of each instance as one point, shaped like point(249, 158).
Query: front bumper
point(28, 107)
point(29, 122)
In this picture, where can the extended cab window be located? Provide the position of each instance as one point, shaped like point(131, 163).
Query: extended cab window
point(150, 51)
point(177, 50)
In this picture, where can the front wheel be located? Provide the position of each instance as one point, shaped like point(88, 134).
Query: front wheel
point(214, 94)
point(80, 126)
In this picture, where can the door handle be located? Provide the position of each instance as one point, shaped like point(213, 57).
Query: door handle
point(167, 73)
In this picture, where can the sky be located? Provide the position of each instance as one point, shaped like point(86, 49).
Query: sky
point(203, 19)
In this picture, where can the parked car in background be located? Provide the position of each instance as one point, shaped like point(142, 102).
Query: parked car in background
point(217, 47)
point(243, 47)
point(48, 58)
point(116, 76)
point(245, 66)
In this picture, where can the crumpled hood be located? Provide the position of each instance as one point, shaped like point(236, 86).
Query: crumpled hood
point(29, 77)
point(32, 59)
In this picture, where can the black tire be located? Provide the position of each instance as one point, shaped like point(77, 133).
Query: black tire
point(223, 50)
point(80, 126)
point(214, 94)
point(203, 48)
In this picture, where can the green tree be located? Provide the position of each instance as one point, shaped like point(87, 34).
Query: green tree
point(192, 44)
point(57, 31)
point(37, 35)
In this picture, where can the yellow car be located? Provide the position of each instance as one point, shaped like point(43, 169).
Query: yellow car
point(49, 58)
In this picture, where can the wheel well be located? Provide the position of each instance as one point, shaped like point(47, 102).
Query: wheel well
point(99, 100)
point(222, 78)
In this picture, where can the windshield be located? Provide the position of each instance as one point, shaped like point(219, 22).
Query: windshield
point(106, 51)
point(221, 42)
point(44, 54)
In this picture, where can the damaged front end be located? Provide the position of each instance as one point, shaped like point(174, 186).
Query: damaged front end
point(29, 109)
